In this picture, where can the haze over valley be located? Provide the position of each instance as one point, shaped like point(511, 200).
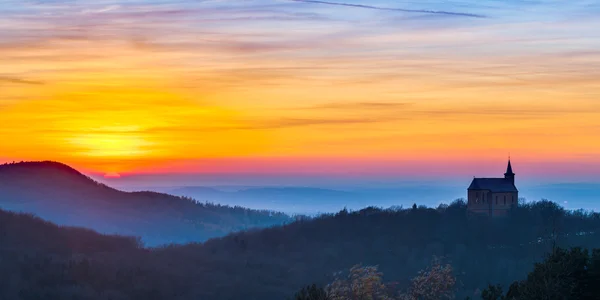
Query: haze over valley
point(299, 195)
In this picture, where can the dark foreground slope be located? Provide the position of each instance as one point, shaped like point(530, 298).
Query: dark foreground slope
point(400, 242)
point(274, 263)
point(62, 195)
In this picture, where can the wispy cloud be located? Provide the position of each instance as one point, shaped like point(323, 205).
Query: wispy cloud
point(363, 106)
point(100, 10)
point(301, 122)
point(423, 11)
point(19, 81)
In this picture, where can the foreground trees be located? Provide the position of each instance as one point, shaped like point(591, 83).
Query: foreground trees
point(437, 282)
point(362, 283)
point(312, 292)
point(564, 274)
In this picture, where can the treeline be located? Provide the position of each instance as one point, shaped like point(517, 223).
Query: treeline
point(277, 262)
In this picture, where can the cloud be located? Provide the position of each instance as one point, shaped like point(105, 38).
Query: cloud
point(19, 81)
point(101, 10)
point(301, 122)
point(425, 11)
point(270, 123)
point(374, 113)
point(362, 105)
point(500, 113)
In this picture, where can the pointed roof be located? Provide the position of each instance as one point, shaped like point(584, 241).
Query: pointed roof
point(509, 170)
point(495, 185)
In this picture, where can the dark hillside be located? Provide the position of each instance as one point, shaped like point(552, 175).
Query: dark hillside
point(401, 242)
point(276, 262)
point(25, 232)
point(40, 260)
point(62, 195)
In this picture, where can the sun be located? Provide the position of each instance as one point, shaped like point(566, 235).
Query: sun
point(112, 175)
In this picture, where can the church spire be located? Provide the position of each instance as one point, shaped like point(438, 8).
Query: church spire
point(510, 175)
point(509, 168)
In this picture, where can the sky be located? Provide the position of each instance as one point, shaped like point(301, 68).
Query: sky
point(410, 89)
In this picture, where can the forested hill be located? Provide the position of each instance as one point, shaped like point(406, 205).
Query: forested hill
point(274, 263)
point(401, 242)
point(63, 195)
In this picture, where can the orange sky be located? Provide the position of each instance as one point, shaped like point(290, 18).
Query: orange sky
point(118, 87)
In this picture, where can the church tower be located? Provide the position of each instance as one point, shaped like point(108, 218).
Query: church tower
point(509, 175)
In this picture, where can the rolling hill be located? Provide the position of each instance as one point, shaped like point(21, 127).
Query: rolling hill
point(61, 194)
point(43, 261)
point(313, 201)
point(293, 200)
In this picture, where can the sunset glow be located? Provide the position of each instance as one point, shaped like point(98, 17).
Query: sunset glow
point(134, 87)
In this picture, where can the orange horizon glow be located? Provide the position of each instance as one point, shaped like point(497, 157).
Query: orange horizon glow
point(174, 93)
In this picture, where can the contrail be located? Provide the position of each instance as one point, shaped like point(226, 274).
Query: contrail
point(439, 12)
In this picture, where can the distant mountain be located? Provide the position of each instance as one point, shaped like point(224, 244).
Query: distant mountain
point(314, 201)
point(295, 200)
point(63, 195)
point(571, 195)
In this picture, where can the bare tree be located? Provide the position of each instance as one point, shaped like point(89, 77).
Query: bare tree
point(434, 283)
point(362, 283)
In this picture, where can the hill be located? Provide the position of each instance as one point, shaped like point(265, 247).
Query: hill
point(274, 263)
point(61, 194)
point(40, 260)
point(314, 200)
point(401, 242)
point(302, 200)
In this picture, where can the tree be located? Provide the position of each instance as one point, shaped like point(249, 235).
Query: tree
point(312, 293)
point(558, 277)
point(493, 292)
point(564, 274)
point(434, 283)
point(362, 283)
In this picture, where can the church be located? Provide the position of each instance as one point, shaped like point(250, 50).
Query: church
point(493, 197)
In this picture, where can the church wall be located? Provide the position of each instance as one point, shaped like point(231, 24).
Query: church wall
point(498, 199)
point(479, 201)
point(502, 208)
point(484, 202)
